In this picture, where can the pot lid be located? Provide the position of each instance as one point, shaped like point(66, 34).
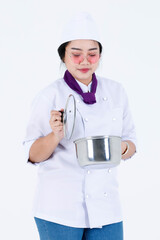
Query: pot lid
point(69, 116)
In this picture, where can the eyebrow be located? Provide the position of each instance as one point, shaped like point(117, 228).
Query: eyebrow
point(91, 49)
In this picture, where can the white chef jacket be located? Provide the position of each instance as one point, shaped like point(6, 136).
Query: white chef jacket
point(68, 194)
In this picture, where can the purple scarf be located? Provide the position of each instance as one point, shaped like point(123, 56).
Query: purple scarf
point(88, 97)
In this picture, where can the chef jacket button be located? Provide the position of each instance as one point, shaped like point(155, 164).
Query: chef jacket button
point(105, 194)
point(87, 196)
point(88, 172)
point(113, 119)
point(109, 170)
point(86, 119)
point(105, 98)
point(78, 101)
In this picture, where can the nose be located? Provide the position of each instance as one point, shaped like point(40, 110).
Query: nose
point(85, 60)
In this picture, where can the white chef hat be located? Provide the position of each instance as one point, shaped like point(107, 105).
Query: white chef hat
point(80, 26)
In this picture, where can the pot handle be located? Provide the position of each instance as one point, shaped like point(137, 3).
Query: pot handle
point(62, 112)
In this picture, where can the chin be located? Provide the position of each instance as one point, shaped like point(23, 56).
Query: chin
point(84, 76)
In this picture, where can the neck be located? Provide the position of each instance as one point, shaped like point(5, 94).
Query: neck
point(84, 81)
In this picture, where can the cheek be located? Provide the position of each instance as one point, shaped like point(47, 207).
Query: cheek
point(70, 67)
point(95, 66)
point(68, 63)
point(94, 60)
point(67, 60)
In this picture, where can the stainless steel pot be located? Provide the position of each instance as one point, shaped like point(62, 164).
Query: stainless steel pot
point(99, 150)
point(94, 150)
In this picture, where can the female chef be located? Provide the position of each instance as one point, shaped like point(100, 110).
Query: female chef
point(71, 202)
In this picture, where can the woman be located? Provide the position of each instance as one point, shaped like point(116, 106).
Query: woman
point(74, 202)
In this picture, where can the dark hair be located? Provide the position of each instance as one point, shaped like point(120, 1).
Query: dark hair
point(62, 48)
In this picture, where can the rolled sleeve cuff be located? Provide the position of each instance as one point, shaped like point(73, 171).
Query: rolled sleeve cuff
point(27, 145)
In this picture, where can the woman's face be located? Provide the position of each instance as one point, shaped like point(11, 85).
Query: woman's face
point(82, 59)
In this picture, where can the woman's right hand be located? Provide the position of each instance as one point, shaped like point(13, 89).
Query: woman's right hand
point(56, 124)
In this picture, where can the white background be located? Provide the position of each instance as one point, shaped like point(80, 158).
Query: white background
point(29, 32)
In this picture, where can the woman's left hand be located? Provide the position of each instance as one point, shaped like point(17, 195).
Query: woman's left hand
point(123, 147)
point(128, 148)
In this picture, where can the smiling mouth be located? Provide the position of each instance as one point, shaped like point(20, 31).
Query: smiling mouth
point(84, 70)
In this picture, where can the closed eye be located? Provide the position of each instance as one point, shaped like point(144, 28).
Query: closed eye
point(76, 55)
